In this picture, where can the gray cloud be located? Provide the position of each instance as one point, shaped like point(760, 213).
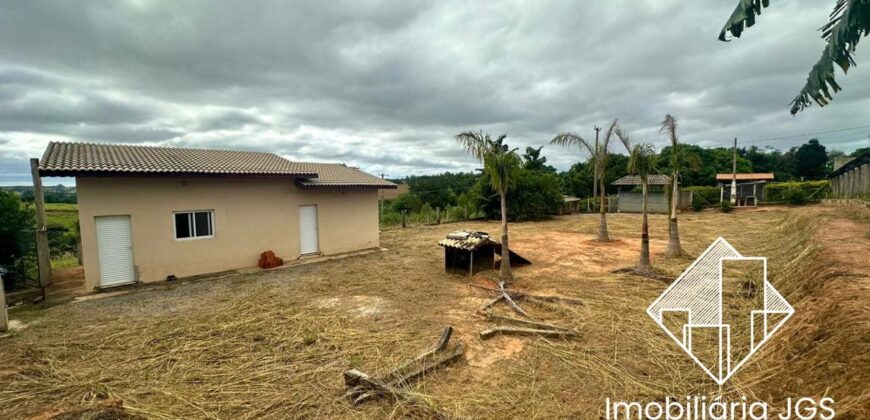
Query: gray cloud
point(384, 85)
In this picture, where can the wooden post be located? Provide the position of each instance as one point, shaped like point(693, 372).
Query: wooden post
point(734, 175)
point(403, 219)
point(4, 317)
point(755, 193)
point(43, 256)
point(437, 215)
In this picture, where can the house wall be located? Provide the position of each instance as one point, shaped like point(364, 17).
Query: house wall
point(251, 215)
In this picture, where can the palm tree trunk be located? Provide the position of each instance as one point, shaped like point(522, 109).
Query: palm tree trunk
point(602, 225)
point(674, 247)
point(505, 269)
point(644, 264)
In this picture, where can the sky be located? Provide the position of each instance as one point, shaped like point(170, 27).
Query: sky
point(385, 85)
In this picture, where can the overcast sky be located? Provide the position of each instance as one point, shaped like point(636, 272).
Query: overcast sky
point(385, 85)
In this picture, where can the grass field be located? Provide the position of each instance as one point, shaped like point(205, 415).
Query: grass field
point(63, 214)
point(274, 343)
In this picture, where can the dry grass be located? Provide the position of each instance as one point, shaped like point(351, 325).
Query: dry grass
point(274, 344)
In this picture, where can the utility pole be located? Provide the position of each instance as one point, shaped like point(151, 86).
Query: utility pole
point(381, 201)
point(734, 174)
point(43, 257)
point(595, 165)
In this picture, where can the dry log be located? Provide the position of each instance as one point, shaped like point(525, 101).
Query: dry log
point(525, 331)
point(487, 305)
point(509, 300)
point(363, 387)
point(440, 346)
point(536, 324)
point(530, 296)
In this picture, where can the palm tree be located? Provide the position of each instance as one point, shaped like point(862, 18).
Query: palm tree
point(598, 155)
point(849, 21)
point(669, 126)
point(501, 164)
point(641, 162)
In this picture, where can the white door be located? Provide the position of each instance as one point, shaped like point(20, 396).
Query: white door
point(308, 230)
point(115, 248)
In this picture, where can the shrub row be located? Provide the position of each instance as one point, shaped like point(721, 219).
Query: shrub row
point(796, 192)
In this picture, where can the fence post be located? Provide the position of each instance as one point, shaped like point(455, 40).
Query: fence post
point(403, 219)
point(4, 317)
point(42, 253)
point(437, 215)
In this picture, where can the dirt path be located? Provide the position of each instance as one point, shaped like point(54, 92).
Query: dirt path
point(847, 242)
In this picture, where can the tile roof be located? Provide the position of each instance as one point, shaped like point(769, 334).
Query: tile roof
point(81, 159)
point(340, 175)
point(746, 177)
point(654, 179)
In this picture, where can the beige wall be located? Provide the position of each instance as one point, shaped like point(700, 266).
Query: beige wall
point(250, 216)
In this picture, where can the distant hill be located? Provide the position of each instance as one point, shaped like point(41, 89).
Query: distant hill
point(52, 193)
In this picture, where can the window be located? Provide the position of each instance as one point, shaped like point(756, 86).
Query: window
point(194, 224)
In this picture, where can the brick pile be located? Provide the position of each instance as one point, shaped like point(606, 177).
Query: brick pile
point(269, 260)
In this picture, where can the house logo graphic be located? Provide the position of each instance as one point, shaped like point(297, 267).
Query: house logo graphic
point(721, 310)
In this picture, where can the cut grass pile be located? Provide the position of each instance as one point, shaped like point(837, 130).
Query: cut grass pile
point(274, 344)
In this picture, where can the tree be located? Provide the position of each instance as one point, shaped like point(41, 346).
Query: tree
point(849, 21)
point(500, 166)
point(810, 160)
point(535, 195)
point(441, 190)
point(408, 202)
point(533, 161)
point(678, 160)
point(598, 156)
point(641, 162)
point(17, 222)
point(578, 180)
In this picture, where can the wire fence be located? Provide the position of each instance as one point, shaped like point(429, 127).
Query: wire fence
point(390, 219)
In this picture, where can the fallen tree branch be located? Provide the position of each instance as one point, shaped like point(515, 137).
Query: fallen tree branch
point(536, 324)
point(440, 346)
point(517, 295)
point(363, 387)
point(525, 331)
point(510, 300)
point(487, 305)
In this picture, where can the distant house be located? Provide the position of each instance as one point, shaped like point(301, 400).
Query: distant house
point(389, 194)
point(630, 199)
point(750, 187)
point(150, 213)
point(570, 205)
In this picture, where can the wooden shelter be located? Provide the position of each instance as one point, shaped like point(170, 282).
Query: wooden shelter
point(750, 187)
point(630, 200)
point(469, 252)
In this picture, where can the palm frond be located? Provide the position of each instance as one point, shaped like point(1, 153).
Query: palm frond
point(625, 139)
point(669, 127)
point(849, 21)
point(642, 160)
point(568, 139)
point(473, 143)
point(742, 17)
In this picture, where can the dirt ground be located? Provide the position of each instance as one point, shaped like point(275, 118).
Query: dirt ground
point(274, 343)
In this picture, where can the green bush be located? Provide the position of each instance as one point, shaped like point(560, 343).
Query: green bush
point(726, 206)
point(703, 196)
point(780, 192)
point(795, 196)
point(696, 205)
point(408, 202)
